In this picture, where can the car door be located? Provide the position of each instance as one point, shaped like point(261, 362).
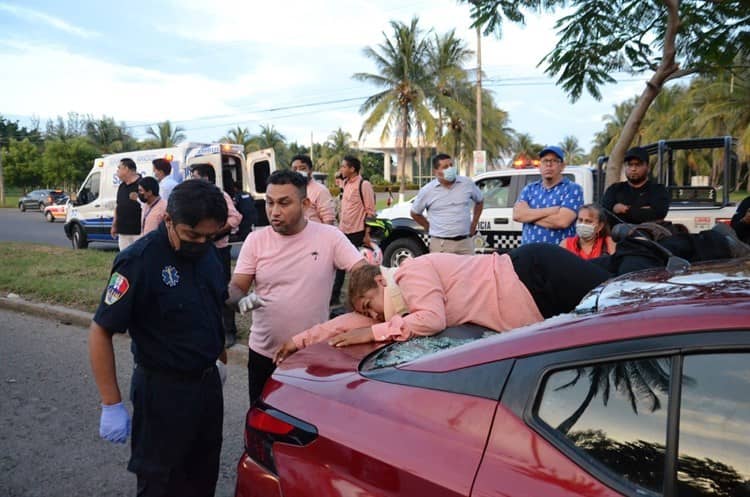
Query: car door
point(496, 224)
point(658, 416)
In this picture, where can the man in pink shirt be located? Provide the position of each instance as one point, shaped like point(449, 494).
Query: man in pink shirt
point(321, 209)
point(206, 172)
point(357, 203)
point(292, 264)
point(154, 207)
point(427, 294)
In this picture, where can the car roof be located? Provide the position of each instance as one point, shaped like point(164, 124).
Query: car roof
point(711, 296)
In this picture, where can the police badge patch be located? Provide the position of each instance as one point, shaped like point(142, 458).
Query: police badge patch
point(117, 287)
point(170, 276)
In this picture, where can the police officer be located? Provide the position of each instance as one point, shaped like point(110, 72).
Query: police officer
point(168, 290)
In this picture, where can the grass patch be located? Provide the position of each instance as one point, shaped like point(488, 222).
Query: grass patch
point(56, 275)
point(11, 201)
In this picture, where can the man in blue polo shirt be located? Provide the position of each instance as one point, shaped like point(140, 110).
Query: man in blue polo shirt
point(548, 208)
point(454, 204)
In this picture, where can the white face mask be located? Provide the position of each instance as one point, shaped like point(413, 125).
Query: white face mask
point(449, 174)
point(303, 174)
point(585, 231)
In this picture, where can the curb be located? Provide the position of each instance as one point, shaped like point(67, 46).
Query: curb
point(237, 354)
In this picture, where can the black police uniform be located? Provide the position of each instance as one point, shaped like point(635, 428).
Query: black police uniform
point(171, 307)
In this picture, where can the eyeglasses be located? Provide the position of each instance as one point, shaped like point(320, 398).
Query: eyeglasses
point(550, 162)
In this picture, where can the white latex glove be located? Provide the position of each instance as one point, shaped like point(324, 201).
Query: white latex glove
point(222, 371)
point(250, 302)
point(114, 424)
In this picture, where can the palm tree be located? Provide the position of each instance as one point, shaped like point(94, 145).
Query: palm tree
point(338, 144)
point(240, 136)
point(108, 136)
point(405, 82)
point(165, 136)
point(446, 56)
point(573, 151)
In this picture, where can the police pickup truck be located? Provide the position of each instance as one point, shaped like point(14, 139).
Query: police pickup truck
point(695, 205)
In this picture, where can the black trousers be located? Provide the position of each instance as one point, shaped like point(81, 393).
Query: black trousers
point(177, 433)
point(227, 314)
point(557, 279)
point(259, 369)
point(357, 239)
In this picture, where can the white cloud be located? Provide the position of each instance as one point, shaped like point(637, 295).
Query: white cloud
point(40, 17)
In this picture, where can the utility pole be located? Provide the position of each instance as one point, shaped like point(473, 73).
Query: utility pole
point(479, 94)
point(312, 156)
point(2, 181)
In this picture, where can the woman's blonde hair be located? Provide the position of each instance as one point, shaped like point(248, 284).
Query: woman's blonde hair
point(360, 281)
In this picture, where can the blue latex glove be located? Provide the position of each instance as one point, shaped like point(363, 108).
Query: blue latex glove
point(114, 424)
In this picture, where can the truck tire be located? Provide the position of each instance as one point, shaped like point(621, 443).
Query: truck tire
point(400, 249)
point(78, 238)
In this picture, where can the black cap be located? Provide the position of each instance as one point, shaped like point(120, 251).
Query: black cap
point(637, 153)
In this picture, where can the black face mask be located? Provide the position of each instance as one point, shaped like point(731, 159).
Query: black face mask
point(142, 198)
point(192, 250)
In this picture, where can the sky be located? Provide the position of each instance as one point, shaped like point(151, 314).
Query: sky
point(209, 66)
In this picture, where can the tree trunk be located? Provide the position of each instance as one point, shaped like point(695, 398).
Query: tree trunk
point(666, 70)
point(402, 166)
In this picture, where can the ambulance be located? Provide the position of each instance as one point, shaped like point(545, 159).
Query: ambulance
point(89, 216)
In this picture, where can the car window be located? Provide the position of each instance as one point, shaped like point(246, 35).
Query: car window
point(616, 413)
point(398, 353)
point(90, 190)
point(495, 191)
point(714, 445)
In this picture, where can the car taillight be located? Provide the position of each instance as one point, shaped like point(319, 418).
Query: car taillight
point(265, 426)
point(724, 220)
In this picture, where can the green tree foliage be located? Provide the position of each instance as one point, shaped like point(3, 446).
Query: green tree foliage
point(240, 136)
point(338, 144)
point(668, 39)
point(402, 103)
point(22, 164)
point(573, 151)
point(270, 137)
point(109, 137)
point(66, 162)
point(12, 130)
point(63, 129)
point(165, 135)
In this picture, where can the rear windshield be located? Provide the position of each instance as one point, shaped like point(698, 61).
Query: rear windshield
point(398, 353)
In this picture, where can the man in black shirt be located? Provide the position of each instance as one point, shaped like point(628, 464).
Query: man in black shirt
point(168, 291)
point(741, 220)
point(637, 200)
point(126, 223)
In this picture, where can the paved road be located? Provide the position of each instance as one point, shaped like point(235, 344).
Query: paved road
point(30, 226)
point(49, 415)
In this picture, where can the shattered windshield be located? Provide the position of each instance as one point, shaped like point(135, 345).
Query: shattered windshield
point(399, 353)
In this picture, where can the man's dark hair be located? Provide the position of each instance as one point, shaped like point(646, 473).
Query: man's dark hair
point(352, 161)
point(437, 158)
point(162, 165)
point(149, 184)
point(205, 171)
point(289, 177)
point(129, 163)
point(305, 159)
point(194, 201)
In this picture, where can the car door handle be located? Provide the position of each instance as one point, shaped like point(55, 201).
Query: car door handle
point(97, 205)
point(501, 220)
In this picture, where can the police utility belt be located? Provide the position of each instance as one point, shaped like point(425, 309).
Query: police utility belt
point(173, 374)
point(452, 238)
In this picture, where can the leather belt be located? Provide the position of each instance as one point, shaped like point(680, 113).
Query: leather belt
point(452, 238)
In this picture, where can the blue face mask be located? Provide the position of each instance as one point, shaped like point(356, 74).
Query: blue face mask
point(449, 174)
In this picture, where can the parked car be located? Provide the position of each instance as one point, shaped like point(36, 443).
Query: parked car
point(39, 199)
point(643, 391)
point(58, 210)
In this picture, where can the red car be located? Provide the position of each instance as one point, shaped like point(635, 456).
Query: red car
point(643, 391)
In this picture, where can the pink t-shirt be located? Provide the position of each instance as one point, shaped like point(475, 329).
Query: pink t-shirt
point(152, 215)
point(321, 208)
point(234, 218)
point(294, 276)
point(353, 211)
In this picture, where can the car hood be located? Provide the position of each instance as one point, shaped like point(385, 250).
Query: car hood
point(322, 362)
